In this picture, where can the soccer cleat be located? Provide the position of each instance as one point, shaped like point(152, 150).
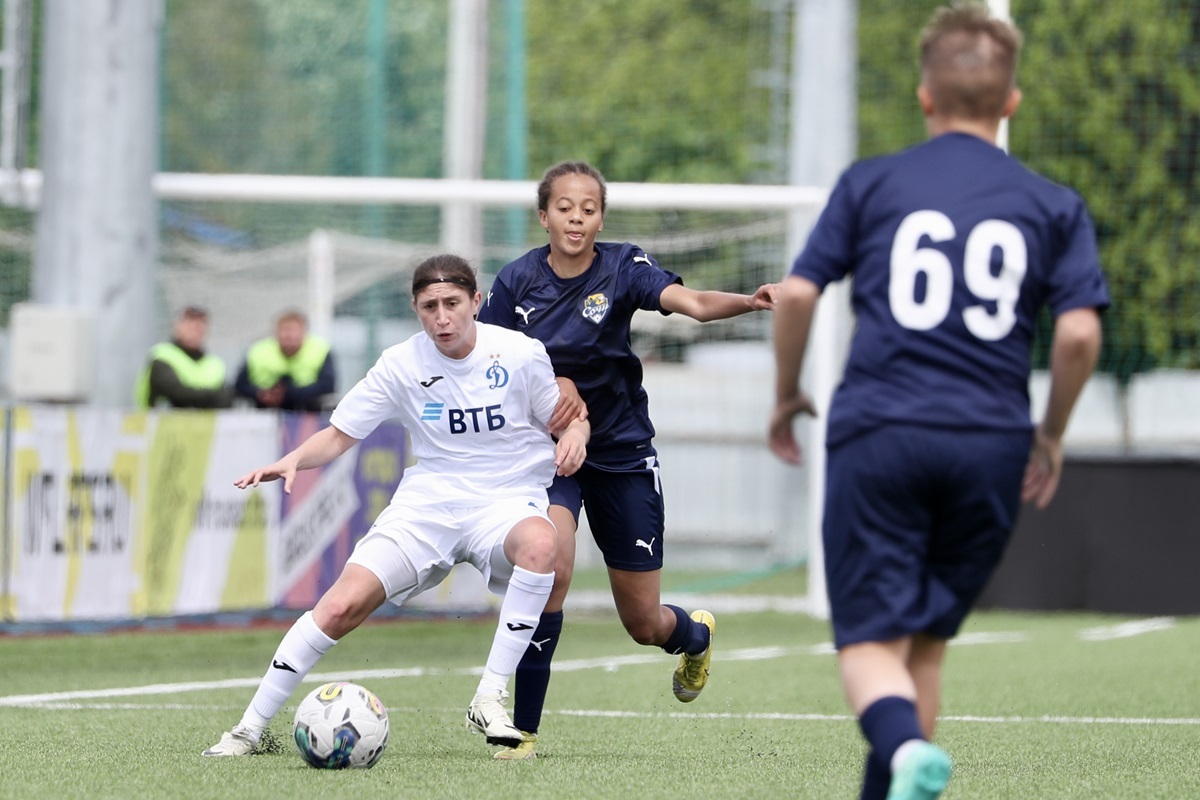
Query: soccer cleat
point(922, 775)
point(487, 715)
point(524, 751)
point(238, 742)
point(692, 672)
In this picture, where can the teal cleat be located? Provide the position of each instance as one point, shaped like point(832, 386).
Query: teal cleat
point(922, 776)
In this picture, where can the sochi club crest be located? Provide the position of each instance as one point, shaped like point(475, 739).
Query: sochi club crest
point(595, 307)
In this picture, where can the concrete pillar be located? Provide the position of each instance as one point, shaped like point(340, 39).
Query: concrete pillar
point(97, 232)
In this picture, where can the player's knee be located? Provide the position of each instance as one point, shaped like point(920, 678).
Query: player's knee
point(536, 552)
point(337, 616)
point(642, 630)
point(564, 570)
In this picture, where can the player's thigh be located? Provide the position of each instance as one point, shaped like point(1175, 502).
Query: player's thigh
point(496, 533)
point(975, 520)
point(410, 548)
point(879, 510)
point(915, 521)
point(565, 504)
point(565, 494)
point(626, 514)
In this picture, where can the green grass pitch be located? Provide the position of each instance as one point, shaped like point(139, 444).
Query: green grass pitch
point(1035, 706)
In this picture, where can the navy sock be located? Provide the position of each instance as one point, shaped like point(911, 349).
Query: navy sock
point(877, 778)
point(532, 678)
point(888, 723)
point(689, 636)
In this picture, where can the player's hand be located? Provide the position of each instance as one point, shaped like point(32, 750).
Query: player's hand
point(764, 298)
point(271, 472)
point(780, 435)
point(570, 452)
point(570, 407)
point(1043, 470)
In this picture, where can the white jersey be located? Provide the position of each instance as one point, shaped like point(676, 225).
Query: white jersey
point(477, 424)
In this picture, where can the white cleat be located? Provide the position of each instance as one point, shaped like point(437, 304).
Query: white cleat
point(238, 742)
point(487, 715)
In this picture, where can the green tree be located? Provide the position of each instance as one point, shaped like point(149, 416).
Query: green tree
point(1112, 108)
point(644, 90)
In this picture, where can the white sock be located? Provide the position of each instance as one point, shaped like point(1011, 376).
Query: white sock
point(902, 752)
point(524, 601)
point(301, 648)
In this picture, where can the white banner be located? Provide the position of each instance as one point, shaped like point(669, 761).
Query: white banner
point(76, 485)
point(312, 524)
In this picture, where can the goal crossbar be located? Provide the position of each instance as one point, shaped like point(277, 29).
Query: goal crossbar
point(308, 189)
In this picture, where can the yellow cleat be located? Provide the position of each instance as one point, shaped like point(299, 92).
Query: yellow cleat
point(522, 752)
point(692, 672)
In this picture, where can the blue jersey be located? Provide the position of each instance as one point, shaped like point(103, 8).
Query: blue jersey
point(584, 322)
point(954, 247)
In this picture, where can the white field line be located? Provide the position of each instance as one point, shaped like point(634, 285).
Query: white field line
point(1127, 629)
point(847, 718)
point(770, 716)
point(609, 664)
point(718, 603)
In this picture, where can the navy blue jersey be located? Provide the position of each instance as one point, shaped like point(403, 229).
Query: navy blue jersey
point(954, 247)
point(584, 322)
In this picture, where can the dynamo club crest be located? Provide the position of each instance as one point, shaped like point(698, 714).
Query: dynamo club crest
point(595, 307)
point(497, 374)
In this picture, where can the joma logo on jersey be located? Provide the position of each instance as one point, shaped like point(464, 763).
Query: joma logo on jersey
point(595, 307)
point(465, 420)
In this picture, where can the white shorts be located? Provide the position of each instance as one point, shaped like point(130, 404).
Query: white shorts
point(412, 548)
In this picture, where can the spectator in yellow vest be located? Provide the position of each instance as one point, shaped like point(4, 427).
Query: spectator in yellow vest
point(180, 373)
point(291, 370)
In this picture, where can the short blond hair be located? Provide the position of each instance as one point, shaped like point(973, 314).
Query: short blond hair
point(969, 61)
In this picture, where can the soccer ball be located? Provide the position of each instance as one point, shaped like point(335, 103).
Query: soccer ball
point(341, 725)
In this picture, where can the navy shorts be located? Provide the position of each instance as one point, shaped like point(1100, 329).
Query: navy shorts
point(624, 510)
point(916, 520)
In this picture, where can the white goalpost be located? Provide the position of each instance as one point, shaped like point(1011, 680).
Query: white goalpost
point(780, 213)
point(713, 431)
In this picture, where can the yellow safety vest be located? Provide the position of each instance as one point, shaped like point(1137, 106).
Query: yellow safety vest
point(207, 373)
point(266, 363)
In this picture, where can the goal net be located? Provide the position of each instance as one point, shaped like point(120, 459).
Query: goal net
point(248, 247)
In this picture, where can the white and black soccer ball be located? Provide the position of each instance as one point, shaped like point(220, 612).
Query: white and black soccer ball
point(341, 725)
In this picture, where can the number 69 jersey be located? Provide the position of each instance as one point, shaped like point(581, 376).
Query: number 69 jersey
point(477, 424)
point(954, 247)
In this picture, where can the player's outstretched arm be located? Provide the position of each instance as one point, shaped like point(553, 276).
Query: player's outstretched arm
point(316, 451)
point(709, 305)
point(1073, 357)
point(796, 302)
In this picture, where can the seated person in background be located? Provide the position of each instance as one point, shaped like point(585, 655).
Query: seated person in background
point(180, 373)
point(291, 370)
